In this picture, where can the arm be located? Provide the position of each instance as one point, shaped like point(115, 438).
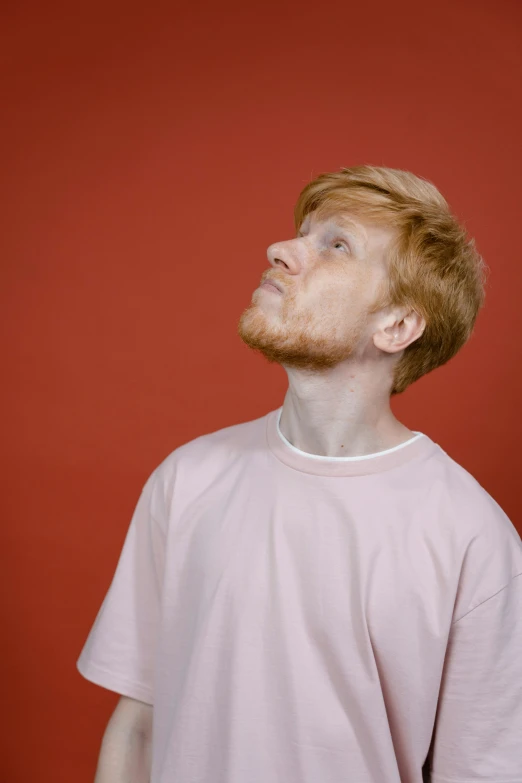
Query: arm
point(479, 723)
point(125, 754)
point(119, 653)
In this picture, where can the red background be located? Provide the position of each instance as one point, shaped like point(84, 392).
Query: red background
point(150, 156)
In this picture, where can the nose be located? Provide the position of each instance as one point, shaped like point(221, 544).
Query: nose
point(279, 254)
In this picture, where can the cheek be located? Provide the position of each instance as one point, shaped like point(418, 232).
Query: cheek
point(352, 292)
point(343, 289)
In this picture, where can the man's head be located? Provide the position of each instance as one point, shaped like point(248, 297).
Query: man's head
point(380, 271)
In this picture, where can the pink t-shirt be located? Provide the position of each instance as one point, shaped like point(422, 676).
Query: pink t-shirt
point(304, 619)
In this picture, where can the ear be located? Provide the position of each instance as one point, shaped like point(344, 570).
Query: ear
point(397, 330)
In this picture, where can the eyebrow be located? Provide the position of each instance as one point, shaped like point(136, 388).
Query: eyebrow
point(349, 226)
point(346, 225)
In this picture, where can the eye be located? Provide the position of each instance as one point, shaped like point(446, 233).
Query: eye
point(342, 244)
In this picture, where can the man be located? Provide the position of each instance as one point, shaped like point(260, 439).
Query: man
point(321, 595)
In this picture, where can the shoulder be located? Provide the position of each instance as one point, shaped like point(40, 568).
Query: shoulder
point(220, 444)
point(490, 545)
point(458, 495)
point(194, 464)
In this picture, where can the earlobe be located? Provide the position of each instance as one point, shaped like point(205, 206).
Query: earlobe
point(388, 341)
point(387, 337)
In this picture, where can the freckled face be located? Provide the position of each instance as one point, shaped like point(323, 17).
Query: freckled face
point(330, 275)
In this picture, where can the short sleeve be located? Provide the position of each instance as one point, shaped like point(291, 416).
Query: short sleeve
point(119, 653)
point(478, 728)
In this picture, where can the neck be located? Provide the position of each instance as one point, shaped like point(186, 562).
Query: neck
point(343, 413)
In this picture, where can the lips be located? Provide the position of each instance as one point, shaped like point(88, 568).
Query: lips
point(273, 282)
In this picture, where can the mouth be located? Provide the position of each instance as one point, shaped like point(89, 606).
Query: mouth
point(271, 285)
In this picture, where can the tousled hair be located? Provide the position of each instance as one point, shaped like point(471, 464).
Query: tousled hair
point(433, 265)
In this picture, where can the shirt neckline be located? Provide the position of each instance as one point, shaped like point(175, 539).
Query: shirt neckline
point(418, 446)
